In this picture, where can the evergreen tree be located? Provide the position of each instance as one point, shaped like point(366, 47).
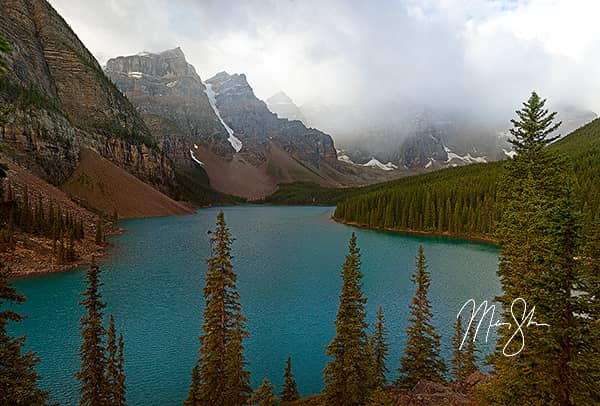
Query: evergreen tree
point(99, 236)
point(223, 380)
point(421, 359)
point(194, 392)
point(464, 359)
point(115, 377)
point(264, 396)
point(290, 389)
point(532, 129)
point(70, 250)
point(458, 358)
point(380, 348)
point(94, 388)
point(348, 376)
point(18, 378)
point(587, 361)
point(119, 390)
point(540, 240)
point(470, 353)
point(111, 361)
point(379, 398)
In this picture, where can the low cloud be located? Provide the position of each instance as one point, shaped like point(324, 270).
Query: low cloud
point(482, 55)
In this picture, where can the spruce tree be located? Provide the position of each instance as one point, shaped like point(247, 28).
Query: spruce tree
point(99, 236)
point(464, 359)
point(115, 377)
point(119, 390)
point(264, 396)
point(457, 362)
point(290, 389)
point(380, 348)
point(470, 353)
point(194, 392)
point(379, 398)
point(532, 129)
point(111, 361)
point(348, 376)
point(18, 378)
point(223, 379)
point(587, 361)
point(541, 243)
point(421, 359)
point(93, 385)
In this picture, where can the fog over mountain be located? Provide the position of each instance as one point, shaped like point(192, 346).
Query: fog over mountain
point(377, 63)
point(421, 49)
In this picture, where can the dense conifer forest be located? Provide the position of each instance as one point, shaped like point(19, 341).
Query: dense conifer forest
point(62, 227)
point(464, 201)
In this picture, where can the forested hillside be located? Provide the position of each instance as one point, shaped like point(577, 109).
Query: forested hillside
point(462, 201)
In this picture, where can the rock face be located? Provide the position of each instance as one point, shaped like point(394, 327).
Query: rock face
point(257, 127)
point(63, 101)
point(171, 98)
point(417, 150)
point(422, 138)
point(427, 393)
point(282, 105)
point(221, 127)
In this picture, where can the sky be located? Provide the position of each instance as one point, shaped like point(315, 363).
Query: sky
point(486, 55)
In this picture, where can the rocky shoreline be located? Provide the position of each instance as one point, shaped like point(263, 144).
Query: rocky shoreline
point(33, 255)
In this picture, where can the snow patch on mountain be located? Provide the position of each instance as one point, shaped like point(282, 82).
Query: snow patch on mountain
point(135, 75)
point(428, 165)
point(212, 98)
point(196, 159)
point(374, 163)
point(466, 158)
point(344, 158)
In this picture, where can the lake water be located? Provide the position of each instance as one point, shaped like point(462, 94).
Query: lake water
point(288, 263)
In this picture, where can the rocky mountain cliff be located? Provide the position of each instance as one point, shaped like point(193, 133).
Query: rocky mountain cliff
point(171, 98)
point(63, 101)
point(219, 126)
point(256, 126)
point(421, 138)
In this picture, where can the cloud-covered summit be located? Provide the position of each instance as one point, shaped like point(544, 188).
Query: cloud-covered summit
point(484, 55)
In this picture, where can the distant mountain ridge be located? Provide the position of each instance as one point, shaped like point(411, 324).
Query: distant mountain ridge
point(421, 138)
point(258, 126)
point(282, 105)
point(220, 127)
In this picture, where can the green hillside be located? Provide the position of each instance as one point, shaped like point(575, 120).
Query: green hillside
point(461, 201)
point(457, 201)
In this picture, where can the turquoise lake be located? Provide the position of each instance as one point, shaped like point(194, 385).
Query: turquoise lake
point(288, 261)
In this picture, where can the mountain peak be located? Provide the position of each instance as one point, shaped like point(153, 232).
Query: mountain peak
point(223, 77)
point(236, 84)
point(175, 52)
point(282, 105)
point(279, 98)
point(168, 63)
